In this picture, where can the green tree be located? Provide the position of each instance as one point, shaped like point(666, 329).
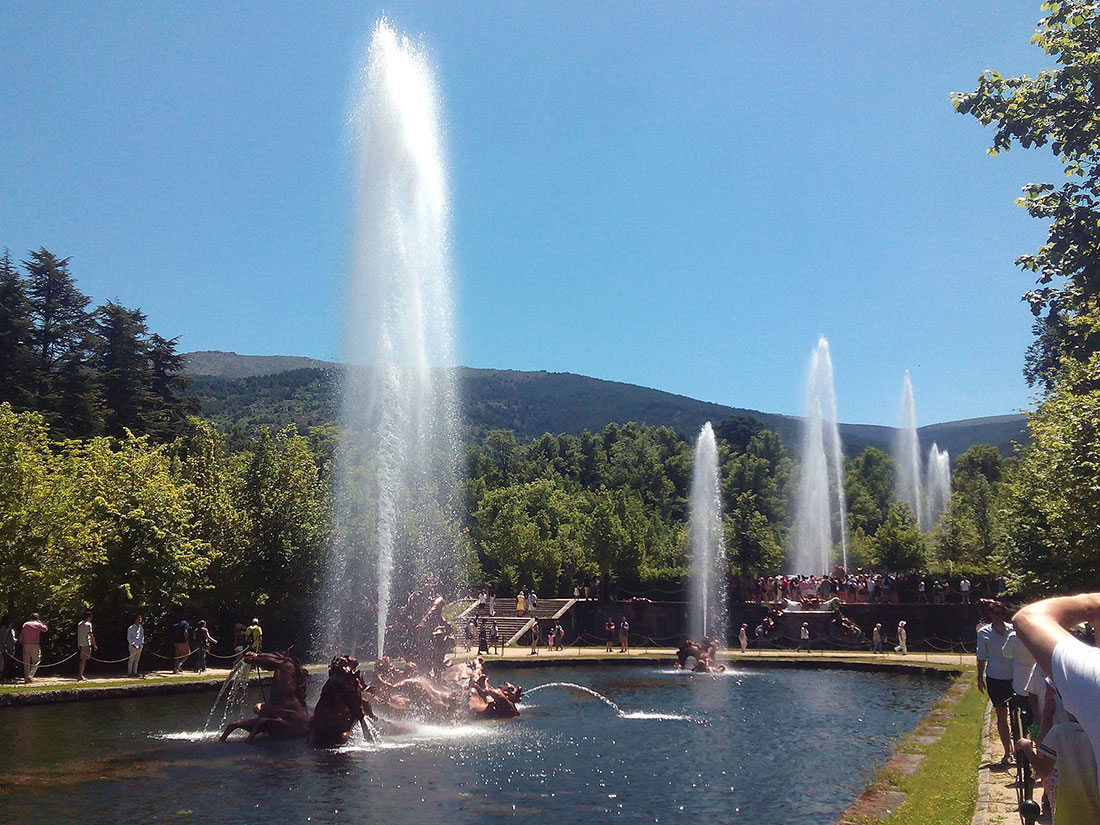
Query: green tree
point(615, 534)
point(899, 544)
point(136, 548)
point(279, 571)
point(64, 389)
point(31, 511)
point(752, 545)
point(17, 358)
point(955, 538)
point(122, 364)
point(531, 534)
point(1056, 108)
point(1053, 508)
point(869, 487)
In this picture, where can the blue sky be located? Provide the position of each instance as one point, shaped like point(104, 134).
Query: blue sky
point(677, 195)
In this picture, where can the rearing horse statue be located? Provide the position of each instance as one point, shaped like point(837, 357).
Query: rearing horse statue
point(284, 714)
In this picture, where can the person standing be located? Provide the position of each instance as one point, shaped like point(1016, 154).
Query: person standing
point(804, 637)
point(521, 602)
point(903, 639)
point(254, 637)
point(609, 632)
point(135, 640)
point(1073, 665)
point(30, 636)
point(532, 601)
point(181, 644)
point(964, 590)
point(534, 638)
point(85, 644)
point(7, 649)
point(493, 603)
point(743, 637)
point(203, 640)
point(995, 670)
point(876, 639)
point(482, 638)
point(494, 637)
point(624, 635)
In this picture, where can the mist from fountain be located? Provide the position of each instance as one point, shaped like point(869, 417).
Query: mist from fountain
point(821, 476)
point(395, 519)
point(907, 487)
point(937, 486)
point(707, 608)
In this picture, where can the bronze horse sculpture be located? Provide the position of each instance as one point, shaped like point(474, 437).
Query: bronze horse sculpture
point(284, 714)
point(342, 703)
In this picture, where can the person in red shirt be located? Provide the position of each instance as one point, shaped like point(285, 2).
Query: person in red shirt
point(30, 636)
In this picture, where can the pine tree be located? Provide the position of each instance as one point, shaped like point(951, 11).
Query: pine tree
point(64, 389)
point(16, 332)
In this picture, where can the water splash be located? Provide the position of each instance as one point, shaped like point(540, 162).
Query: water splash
point(937, 486)
point(234, 691)
point(707, 613)
point(395, 517)
point(821, 476)
point(907, 454)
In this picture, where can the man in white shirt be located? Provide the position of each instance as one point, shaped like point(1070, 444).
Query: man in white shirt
point(85, 644)
point(1074, 665)
point(135, 638)
point(964, 589)
point(995, 670)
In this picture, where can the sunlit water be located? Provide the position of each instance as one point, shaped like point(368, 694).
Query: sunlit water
point(755, 746)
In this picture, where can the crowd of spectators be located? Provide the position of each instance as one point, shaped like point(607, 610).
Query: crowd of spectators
point(190, 643)
point(867, 587)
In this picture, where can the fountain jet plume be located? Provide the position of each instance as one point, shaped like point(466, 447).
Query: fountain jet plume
point(395, 516)
point(907, 455)
point(707, 612)
point(821, 476)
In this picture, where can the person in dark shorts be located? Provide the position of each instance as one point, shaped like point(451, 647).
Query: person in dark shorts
point(995, 669)
point(609, 633)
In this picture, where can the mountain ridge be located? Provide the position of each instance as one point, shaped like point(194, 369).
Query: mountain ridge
point(272, 390)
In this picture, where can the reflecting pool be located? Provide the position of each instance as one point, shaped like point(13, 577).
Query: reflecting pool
point(597, 744)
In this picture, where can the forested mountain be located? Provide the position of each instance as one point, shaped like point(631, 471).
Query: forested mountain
point(249, 392)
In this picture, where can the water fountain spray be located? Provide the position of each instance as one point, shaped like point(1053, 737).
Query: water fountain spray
point(821, 476)
point(707, 613)
point(395, 524)
point(907, 454)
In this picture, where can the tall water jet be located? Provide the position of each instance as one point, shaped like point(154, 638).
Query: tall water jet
point(937, 486)
point(907, 454)
point(821, 476)
point(707, 611)
point(395, 524)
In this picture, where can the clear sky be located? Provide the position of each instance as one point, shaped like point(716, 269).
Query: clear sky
point(678, 195)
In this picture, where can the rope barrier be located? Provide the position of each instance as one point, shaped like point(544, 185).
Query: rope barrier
point(44, 667)
point(109, 661)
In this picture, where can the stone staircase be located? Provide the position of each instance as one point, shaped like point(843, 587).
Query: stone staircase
point(511, 624)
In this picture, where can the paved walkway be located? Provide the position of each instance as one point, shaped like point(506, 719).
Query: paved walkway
point(997, 784)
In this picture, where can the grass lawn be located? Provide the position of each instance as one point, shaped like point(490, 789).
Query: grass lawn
point(945, 789)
